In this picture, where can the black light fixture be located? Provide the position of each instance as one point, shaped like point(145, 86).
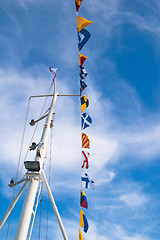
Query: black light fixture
point(32, 166)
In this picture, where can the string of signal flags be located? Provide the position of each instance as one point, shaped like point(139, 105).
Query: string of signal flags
point(86, 120)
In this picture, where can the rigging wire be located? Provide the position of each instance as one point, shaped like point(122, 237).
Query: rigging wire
point(18, 172)
point(19, 158)
point(36, 126)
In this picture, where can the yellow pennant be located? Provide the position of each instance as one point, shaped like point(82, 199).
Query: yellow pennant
point(80, 235)
point(82, 23)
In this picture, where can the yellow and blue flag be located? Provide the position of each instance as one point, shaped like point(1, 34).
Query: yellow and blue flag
point(83, 221)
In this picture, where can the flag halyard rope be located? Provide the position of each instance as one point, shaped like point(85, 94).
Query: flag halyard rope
point(86, 181)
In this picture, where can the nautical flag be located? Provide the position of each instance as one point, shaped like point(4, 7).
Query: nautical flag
point(83, 221)
point(80, 235)
point(87, 182)
point(84, 103)
point(83, 37)
point(82, 73)
point(84, 202)
point(83, 85)
point(85, 161)
point(78, 4)
point(53, 70)
point(85, 120)
point(82, 23)
point(82, 59)
point(85, 141)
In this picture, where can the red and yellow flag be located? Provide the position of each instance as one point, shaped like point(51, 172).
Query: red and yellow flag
point(85, 141)
point(78, 4)
point(82, 59)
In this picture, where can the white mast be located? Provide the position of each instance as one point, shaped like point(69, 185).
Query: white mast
point(28, 204)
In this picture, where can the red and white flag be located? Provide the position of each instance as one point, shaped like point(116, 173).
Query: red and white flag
point(54, 70)
point(85, 162)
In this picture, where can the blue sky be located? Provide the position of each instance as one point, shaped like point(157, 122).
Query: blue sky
point(123, 88)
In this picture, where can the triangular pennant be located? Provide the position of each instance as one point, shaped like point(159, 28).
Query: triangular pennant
point(78, 4)
point(82, 59)
point(82, 23)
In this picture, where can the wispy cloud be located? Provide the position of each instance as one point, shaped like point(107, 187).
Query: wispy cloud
point(134, 199)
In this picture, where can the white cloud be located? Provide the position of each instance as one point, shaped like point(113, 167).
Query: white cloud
point(110, 140)
point(103, 231)
point(134, 199)
point(120, 233)
point(103, 177)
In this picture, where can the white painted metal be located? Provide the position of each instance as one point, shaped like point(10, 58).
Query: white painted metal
point(34, 212)
point(54, 206)
point(27, 209)
point(51, 95)
point(12, 205)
